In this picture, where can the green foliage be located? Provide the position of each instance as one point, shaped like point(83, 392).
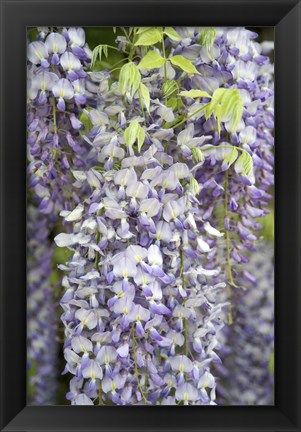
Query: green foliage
point(226, 103)
point(60, 255)
point(149, 36)
point(195, 94)
point(267, 223)
point(207, 37)
point(84, 118)
point(129, 78)
point(231, 157)
point(151, 60)
point(97, 54)
point(145, 96)
point(197, 155)
point(170, 88)
point(194, 187)
point(134, 132)
point(244, 164)
point(184, 64)
point(271, 366)
point(172, 34)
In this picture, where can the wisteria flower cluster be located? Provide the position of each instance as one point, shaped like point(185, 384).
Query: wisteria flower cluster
point(247, 347)
point(154, 179)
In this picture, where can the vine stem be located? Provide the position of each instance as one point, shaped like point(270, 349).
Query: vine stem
point(224, 146)
point(54, 116)
point(164, 56)
point(141, 105)
point(230, 281)
point(190, 116)
point(136, 366)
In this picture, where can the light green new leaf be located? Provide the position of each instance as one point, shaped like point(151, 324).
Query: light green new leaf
point(149, 37)
point(197, 155)
point(129, 78)
point(131, 133)
point(244, 164)
point(207, 37)
point(145, 96)
point(172, 103)
point(170, 88)
point(172, 34)
point(97, 53)
point(151, 60)
point(232, 106)
point(143, 29)
point(140, 138)
point(215, 101)
point(226, 104)
point(134, 132)
point(231, 157)
point(184, 64)
point(195, 94)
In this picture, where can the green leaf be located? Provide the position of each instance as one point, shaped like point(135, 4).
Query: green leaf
point(197, 155)
point(195, 94)
point(140, 138)
point(215, 101)
point(231, 157)
point(149, 37)
point(172, 103)
point(184, 64)
point(97, 53)
point(207, 37)
point(172, 34)
point(232, 106)
point(134, 132)
point(151, 60)
point(145, 96)
point(143, 29)
point(170, 88)
point(129, 78)
point(194, 187)
point(244, 164)
point(228, 104)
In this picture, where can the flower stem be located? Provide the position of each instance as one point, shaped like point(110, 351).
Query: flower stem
point(54, 116)
point(185, 320)
point(230, 281)
point(190, 116)
point(97, 253)
point(164, 56)
point(136, 365)
point(141, 105)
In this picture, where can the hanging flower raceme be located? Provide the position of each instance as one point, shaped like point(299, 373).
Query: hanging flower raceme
point(174, 172)
point(55, 102)
point(42, 328)
point(247, 346)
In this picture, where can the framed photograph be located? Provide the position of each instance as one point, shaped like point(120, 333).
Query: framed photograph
point(150, 215)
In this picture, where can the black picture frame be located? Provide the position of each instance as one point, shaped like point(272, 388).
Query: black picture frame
point(16, 15)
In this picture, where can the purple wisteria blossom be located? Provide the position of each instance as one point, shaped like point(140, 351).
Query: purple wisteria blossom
point(247, 347)
point(157, 201)
point(42, 328)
